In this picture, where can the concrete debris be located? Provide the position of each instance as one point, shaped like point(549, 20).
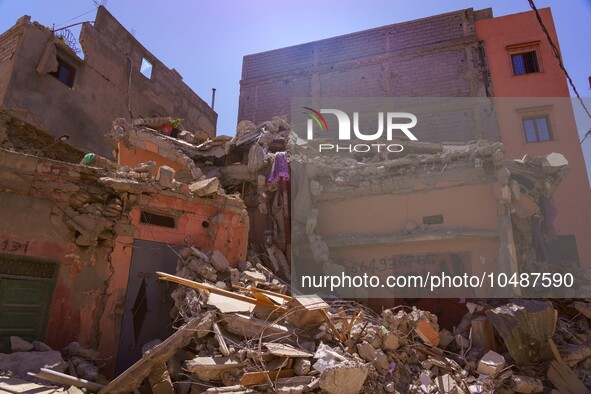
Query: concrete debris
point(18, 344)
point(338, 350)
point(525, 327)
point(19, 363)
point(491, 363)
point(344, 378)
point(75, 360)
point(205, 187)
point(239, 327)
point(526, 384)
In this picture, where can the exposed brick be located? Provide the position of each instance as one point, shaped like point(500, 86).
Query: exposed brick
point(435, 56)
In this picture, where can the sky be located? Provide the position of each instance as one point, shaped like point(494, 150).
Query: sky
point(206, 40)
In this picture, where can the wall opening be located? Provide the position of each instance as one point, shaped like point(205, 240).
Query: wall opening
point(146, 68)
point(157, 220)
point(65, 72)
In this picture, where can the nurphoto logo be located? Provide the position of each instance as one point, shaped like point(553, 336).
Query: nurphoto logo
point(395, 122)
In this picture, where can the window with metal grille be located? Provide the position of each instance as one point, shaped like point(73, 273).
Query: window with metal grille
point(65, 72)
point(537, 129)
point(525, 63)
point(157, 220)
point(434, 219)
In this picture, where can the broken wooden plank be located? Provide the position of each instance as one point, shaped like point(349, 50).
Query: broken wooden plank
point(134, 375)
point(584, 308)
point(334, 330)
point(254, 378)
point(213, 289)
point(267, 292)
point(564, 379)
point(159, 379)
point(482, 334)
point(62, 378)
point(561, 376)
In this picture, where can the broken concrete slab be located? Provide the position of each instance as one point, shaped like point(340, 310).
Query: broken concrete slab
point(205, 187)
point(285, 350)
point(344, 378)
point(213, 368)
point(20, 363)
point(249, 327)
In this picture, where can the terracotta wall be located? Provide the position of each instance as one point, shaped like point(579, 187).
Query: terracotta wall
point(38, 199)
point(546, 91)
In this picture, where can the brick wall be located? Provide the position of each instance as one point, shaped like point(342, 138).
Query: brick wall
point(435, 56)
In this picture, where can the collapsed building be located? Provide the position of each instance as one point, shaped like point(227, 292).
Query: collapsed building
point(240, 326)
point(81, 243)
point(77, 87)
point(168, 270)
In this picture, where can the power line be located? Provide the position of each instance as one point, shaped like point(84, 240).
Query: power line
point(556, 54)
point(74, 18)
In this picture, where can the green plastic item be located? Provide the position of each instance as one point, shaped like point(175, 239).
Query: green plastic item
point(88, 159)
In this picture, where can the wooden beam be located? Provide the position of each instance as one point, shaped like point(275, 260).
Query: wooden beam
point(68, 380)
point(213, 289)
point(134, 375)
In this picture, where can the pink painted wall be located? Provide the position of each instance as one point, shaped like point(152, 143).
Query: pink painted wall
point(547, 88)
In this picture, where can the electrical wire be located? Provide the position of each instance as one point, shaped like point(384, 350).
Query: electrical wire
point(74, 18)
point(556, 54)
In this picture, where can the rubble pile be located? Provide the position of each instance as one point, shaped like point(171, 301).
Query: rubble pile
point(30, 363)
point(244, 337)
point(253, 164)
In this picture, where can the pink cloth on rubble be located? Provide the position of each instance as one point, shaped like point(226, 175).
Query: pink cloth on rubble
point(280, 168)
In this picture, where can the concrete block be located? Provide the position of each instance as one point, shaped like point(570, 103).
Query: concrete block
point(366, 351)
point(218, 261)
point(491, 363)
point(165, 176)
point(526, 384)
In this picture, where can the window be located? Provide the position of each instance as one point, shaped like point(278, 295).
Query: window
point(146, 68)
point(157, 220)
point(65, 72)
point(537, 129)
point(525, 58)
point(525, 63)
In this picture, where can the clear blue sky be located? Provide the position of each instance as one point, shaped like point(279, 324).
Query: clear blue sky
point(206, 40)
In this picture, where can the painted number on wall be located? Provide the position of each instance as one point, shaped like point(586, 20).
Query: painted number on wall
point(11, 246)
